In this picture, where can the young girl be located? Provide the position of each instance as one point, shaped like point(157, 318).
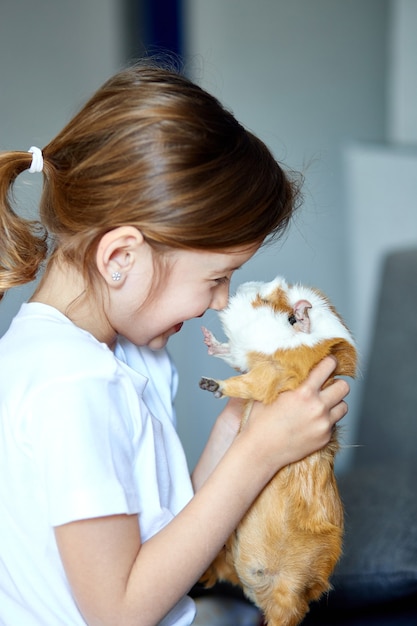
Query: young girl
point(153, 195)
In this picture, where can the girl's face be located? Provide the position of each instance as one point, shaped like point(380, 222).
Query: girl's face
point(192, 282)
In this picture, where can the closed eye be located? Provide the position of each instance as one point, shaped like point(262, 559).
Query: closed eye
point(222, 281)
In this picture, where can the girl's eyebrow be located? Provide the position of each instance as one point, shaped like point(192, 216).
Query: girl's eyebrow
point(227, 270)
point(234, 268)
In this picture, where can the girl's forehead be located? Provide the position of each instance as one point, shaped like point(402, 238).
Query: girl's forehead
point(227, 260)
point(232, 256)
point(236, 257)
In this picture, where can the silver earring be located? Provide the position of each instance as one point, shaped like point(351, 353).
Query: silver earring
point(116, 276)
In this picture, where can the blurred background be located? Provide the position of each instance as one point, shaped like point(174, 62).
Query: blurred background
point(329, 85)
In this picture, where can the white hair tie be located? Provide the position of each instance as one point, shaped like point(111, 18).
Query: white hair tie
point(37, 160)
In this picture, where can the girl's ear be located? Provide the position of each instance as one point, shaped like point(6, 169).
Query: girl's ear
point(117, 253)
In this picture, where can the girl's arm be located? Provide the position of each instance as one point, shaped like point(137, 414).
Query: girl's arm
point(118, 580)
point(224, 432)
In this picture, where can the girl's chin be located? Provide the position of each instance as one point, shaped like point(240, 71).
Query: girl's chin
point(157, 343)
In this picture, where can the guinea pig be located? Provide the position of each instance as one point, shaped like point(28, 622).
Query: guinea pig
point(286, 547)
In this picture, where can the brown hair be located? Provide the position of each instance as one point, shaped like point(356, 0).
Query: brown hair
point(153, 150)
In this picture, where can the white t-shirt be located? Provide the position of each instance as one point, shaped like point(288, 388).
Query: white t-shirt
point(84, 432)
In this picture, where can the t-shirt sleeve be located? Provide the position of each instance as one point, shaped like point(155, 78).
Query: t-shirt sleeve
point(82, 448)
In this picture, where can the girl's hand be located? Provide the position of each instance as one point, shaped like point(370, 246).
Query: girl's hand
point(301, 421)
point(298, 423)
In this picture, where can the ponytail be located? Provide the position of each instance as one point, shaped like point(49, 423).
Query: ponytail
point(23, 245)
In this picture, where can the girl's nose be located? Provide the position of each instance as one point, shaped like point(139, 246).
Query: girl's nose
point(220, 298)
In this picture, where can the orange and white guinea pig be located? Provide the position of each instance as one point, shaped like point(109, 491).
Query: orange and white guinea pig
point(286, 547)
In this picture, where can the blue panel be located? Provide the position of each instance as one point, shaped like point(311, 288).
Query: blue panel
point(164, 25)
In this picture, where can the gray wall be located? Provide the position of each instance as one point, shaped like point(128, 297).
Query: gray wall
point(309, 77)
point(53, 54)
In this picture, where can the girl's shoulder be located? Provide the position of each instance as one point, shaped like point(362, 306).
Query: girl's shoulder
point(42, 339)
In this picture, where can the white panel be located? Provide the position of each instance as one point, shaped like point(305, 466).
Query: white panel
point(382, 208)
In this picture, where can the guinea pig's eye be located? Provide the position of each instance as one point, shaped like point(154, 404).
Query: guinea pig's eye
point(292, 319)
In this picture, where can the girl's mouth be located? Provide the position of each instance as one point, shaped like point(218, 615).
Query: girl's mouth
point(178, 327)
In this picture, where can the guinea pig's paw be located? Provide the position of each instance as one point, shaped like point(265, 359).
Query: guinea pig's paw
point(209, 384)
point(214, 347)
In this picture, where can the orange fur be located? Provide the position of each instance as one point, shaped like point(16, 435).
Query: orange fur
point(286, 547)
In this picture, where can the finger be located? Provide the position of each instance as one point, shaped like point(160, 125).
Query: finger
point(321, 372)
point(339, 412)
point(336, 392)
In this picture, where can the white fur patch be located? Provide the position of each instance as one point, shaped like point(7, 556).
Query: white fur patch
point(262, 329)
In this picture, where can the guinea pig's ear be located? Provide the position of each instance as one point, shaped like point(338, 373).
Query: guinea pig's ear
point(346, 356)
point(300, 318)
